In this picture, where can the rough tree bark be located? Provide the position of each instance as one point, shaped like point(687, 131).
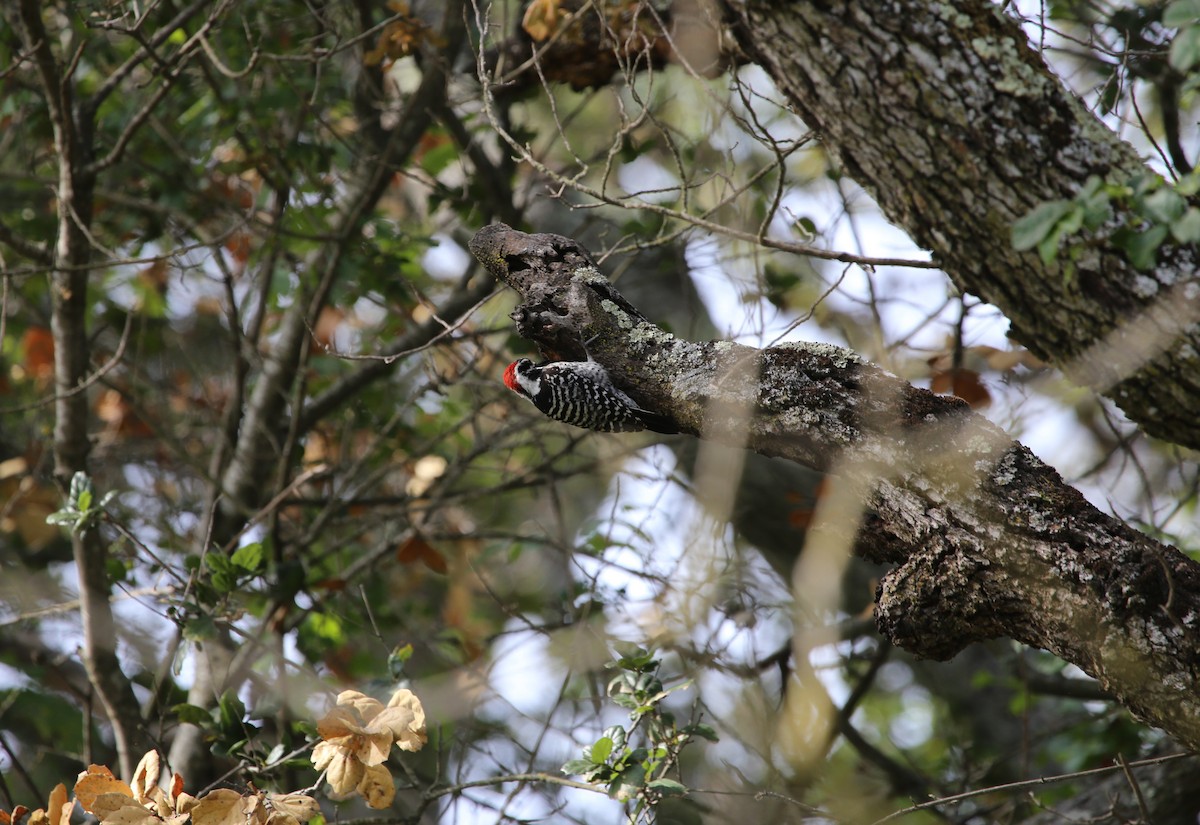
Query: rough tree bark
point(985, 539)
point(951, 120)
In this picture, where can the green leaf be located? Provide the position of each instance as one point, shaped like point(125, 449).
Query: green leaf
point(192, 714)
point(200, 629)
point(397, 659)
point(667, 787)
point(601, 750)
point(1189, 184)
point(79, 483)
point(577, 766)
point(84, 502)
point(1033, 228)
point(218, 563)
point(628, 783)
point(634, 658)
point(248, 558)
point(231, 712)
point(1187, 228)
point(1047, 248)
point(1071, 223)
point(617, 734)
point(1181, 13)
point(1097, 211)
point(1185, 49)
point(116, 569)
point(1141, 247)
point(1164, 206)
point(703, 731)
point(1142, 184)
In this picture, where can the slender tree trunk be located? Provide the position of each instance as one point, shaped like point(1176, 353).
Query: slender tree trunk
point(73, 138)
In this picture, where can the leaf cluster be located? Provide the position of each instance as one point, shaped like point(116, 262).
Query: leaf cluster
point(1139, 215)
point(633, 763)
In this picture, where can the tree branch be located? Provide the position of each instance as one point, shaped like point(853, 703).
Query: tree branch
point(68, 323)
point(987, 541)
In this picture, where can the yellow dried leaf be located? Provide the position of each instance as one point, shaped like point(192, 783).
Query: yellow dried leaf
point(254, 809)
point(176, 796)
point(59, 809)
point(184, 802)
point(367, 707)
point(106, 804)
point(298, 806)
point(337, 724)
point(279, 818)
point(56, 812)
point(541, 19)
point(158, 801)
point(343, 772)
point(97, 780)
point(406, 717)
point(145, 776)
point(131, 814)
point(220, 807)
point(377, 787)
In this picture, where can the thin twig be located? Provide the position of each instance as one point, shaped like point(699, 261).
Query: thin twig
point(1029, 783)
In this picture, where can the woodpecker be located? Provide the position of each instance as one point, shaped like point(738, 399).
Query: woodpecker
point(582, 394)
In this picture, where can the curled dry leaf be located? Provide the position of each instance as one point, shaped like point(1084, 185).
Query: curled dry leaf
point(94, 782)
point(290, 808)
point(377, 787)
point(359, 732)
point(220, 807)
point(343, 770)
point(106, 805)
point(407, 719)
point(541, 19)
point(56, 812)
point(145, 803)
point(145, 777)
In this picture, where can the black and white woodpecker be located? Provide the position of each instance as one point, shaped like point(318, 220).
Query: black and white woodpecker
point(581, 393)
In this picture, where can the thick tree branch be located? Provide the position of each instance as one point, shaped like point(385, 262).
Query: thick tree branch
point(987, 541)
point(952, 121)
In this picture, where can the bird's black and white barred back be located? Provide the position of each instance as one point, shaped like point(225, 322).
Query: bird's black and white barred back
point(582, 394)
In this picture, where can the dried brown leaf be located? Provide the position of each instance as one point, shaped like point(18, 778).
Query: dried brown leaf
point(95, 781)
point(145, 776)
point(406, 717)
point(220, 807)
point(377, 787)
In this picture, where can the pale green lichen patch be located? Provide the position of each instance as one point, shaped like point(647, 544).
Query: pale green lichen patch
point(840, 357)
point(647, 333)
point(619, 315)
point(588, 275)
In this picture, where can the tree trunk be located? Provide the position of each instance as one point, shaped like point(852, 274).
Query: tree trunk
point(948, 117)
